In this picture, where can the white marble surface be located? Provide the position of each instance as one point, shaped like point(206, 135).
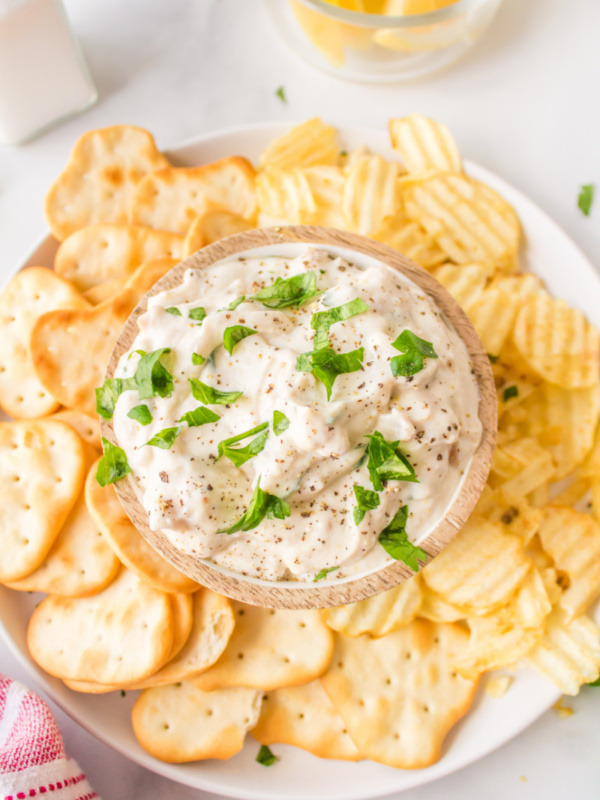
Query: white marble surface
point(524, 103)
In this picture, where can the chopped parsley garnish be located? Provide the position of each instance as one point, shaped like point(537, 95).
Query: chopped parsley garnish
point(322, 574)
point(206, 394)
point(586, 198)
point(151, 378)
point(165, 438)
point(197, 359)
point(292, 291)
point(141, 414)
point(197, 314)
point(234, 335)
point(239, 455)
point(386, 462)
point(493, 359)
point(262, 504)
point(280, 93)
point(323, 320)
point(108, 394)
point(326, 364)
point(280, 422)
point(113, 465)
point(266, 757)
point(235, 303)
point(510, 392)
point(366, 501)
point(199, 416)
point(174, 310)
point(595, 683)
point(414, 352)
point(394, 541)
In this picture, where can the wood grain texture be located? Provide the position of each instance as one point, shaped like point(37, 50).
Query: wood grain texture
point(289, 594)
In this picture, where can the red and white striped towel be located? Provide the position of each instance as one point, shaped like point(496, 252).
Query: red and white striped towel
point(33, 762)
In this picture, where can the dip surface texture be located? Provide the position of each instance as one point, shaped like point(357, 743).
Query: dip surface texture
point(309, 524)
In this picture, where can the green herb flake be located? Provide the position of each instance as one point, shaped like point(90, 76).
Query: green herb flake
point(239, 455)
point(197, 314)
point(262, 504)
point(586, 198)
point(209, 396)
point(595, 683)
point(394, 541)
point(280, 93)
point(266, 757)
point(108, 394)
point(153, 379)
point(414, 352)
point(322, 574)
point(493, 359)
point(122, 692)
point(234, 335)
point(509, 393)
point(386, 462)
point(113, 465)
point(323, 320)
point(199, 416)
point(164, 439)
point(141, 414)
point(174, 310)
point(294, 291)
point(326, 364)
point(280, 422)
point(197, 359)
point(366, 501)
point(235, 303)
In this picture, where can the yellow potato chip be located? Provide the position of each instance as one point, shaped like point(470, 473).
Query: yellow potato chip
point(305, 717)
point(370, 194)
point(465, 283)
point(171, 199)
point(480, 569)
point(513, 512)
point(377, 615)
point(434, 608)
point(307, 145)
point(425, 145)
point(521, 466)
point(31, 293)
point(100, 253)
point(42, 465)
point(326, 184)
point(179, 723)
point(493, 316)
point(212, 227)
point(271, 648)
point(127, 542)
point(569, 653)
point(324, 33)
point(558, 343)
point(100, 178)
point(496, 686)
point(284, 198)
point(468, 220)
point(410, 239)
point(399, 695)
point(573, 541)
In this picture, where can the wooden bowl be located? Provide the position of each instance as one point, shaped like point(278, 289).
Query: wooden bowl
point(293, 594)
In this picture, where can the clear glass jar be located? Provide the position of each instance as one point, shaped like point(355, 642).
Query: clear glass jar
point(380, 48)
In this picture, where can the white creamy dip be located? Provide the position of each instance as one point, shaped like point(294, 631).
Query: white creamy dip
point(316, 461)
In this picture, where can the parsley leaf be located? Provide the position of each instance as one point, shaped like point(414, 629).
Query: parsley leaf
point(394, 541)
point(141, 414)
point(234, 335)
point(262, 504)
point(414, 352)
point(174, 310)
point(152, 379)
point(326, 364)
point(197, 359)
point(165, 438)
point(235, 303)
point(266, 757)
point(510, 392)
point(280, 422)
point(197, 314)
point(292, 291)
point(366, 500)
point(206, 394)
point(240, 455)
point(108, 394)
point(586, 198)
point(113, 465)
point(199, 416)
point(280, 93)
point(323, 320)
point(595, 683)
point(493, 359)
point(386, 462)
point(324, 573)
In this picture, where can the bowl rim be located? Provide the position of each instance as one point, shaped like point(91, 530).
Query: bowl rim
point(366, 20)
point(293, 594)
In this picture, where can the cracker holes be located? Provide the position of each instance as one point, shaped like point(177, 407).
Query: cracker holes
point(396, 736)
point(240, 656)
point(209, 712)
point(166, 726)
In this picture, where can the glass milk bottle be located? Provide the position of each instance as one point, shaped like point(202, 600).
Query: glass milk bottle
point(43, 77)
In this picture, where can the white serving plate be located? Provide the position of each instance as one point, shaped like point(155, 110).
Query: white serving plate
point(491, 723)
